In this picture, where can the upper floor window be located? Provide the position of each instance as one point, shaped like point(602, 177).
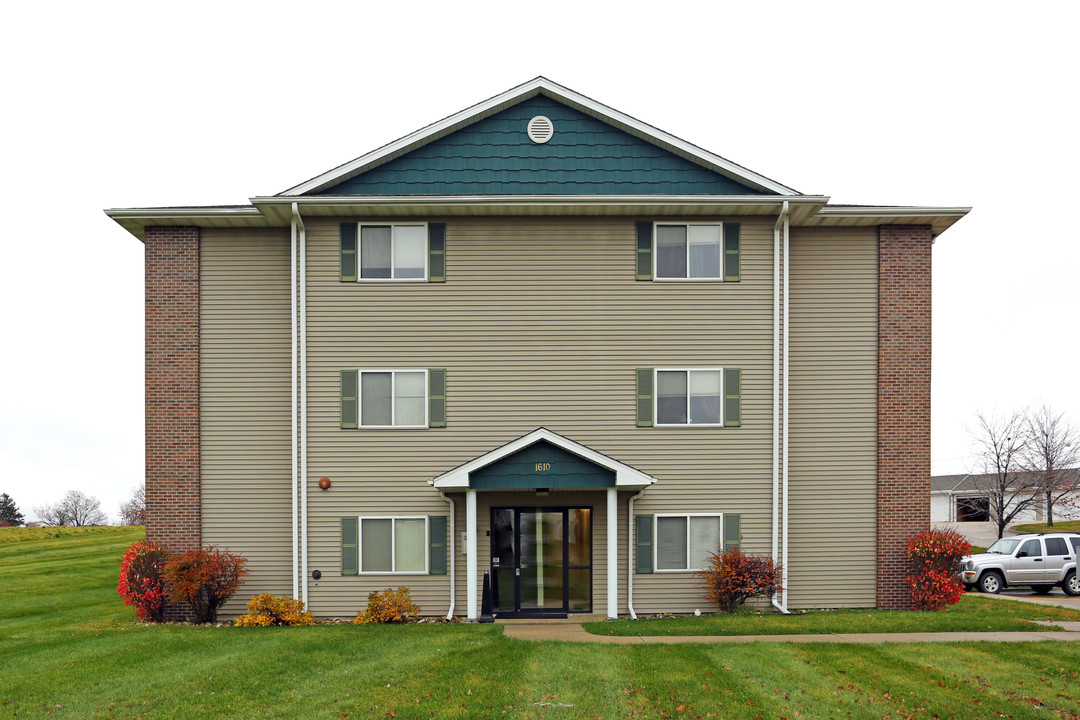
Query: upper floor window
point(688, 251)
point(689, 396)
point(380, 252)
point(691, 251)
point(393, 398)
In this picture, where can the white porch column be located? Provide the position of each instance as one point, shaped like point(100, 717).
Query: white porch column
point(470, 558)
point(612, 553)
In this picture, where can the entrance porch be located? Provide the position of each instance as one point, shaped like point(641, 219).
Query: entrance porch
point(542, 515)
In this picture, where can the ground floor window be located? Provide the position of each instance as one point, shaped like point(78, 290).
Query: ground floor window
point(394, 544)
point(685, 542)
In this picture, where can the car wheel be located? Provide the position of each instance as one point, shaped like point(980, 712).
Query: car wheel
point(1042, 589)
point(990, 582)
point(1071, 586)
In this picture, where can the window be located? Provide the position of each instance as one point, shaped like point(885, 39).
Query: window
point(689, 397)
point(685, 542)
point(393, 252)
point(393, 398)
point(1032, 548)
point(1056, 546)
point(689, 251)
point(394, 544)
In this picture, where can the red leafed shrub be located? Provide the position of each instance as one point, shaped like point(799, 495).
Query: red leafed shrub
point(733, 577)
point(142, 584)
point(934, 558)
point(389, 606)
point(204, 580)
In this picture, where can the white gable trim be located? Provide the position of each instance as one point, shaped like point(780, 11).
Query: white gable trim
point(625, 476)
point(524, 92)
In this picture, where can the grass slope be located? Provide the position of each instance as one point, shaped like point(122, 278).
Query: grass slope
point(1059, 526)
point(972, 613)
point(69, 649)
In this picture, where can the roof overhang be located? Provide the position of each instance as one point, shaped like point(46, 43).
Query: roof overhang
point(135, 220)
point(279, 209)
point(626, 477)
point(939, 218)
point(525, 91)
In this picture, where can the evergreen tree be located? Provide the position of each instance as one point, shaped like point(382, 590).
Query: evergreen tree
point(9, 511)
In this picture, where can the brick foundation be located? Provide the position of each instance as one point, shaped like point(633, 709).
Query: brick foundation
point(173, 497)
point(903, 491)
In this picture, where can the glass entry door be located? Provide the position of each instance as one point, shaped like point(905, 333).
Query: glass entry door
point(541, 561)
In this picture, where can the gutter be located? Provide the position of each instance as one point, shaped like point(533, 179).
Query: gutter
point(303, 403)
point(781, 221)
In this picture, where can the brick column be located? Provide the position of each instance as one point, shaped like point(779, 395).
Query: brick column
point(173, 497)
point(903, 490)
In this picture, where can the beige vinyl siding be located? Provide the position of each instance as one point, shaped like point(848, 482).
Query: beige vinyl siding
point(540, 323)
point(833, 423)
point(245, 403)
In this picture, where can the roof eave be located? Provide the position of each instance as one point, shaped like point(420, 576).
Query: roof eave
point(135, 220)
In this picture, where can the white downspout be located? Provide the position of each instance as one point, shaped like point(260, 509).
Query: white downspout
point(784, 459)
point(781, 220)
point(631, 534)
point(303, 404)
point(293, 368)
point(612, 553)
point(450, 550)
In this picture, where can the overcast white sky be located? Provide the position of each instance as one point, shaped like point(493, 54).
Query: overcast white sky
point(146, 104)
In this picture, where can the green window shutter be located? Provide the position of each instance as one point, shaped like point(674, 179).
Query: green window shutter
point(348, 251)
point(437, 545)
point(350, 406)
point(437, 398)
point(644, 250)
point(350, 558)
point(732, 531)
point(732, 397)
point(643, 543)
point(644, 397)
point(436, 252)
point(732, 269)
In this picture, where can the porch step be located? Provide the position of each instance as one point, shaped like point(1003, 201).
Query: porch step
point(572, 619)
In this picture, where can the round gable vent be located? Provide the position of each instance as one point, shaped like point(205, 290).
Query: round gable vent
point(540, 129)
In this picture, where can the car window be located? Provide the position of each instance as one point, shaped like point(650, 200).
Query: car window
point(1031, 548)
point(1075, 543)
point(1003, 547)
point(1056, 546)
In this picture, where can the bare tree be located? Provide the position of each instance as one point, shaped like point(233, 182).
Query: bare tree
point(76, 509)
point(1004, 442)
point(133, 512)
point(1052, 455)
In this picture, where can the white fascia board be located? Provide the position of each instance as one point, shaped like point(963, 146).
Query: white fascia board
point(524, 92)
point(625, 476)
point(135, 220)
point(886, 212)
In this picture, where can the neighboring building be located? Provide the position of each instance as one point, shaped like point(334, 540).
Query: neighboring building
point(544, 339)
point(966, 498)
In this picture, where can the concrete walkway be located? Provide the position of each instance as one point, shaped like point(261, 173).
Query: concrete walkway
point(573, 632)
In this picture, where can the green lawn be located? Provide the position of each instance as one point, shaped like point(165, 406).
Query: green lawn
point(1066, 526)
point(69, 649)
point(972, 613)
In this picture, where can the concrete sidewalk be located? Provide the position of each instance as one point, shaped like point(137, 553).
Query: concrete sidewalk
point(573, 632)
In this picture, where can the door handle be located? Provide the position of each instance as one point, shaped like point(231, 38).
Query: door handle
point(1038, 559)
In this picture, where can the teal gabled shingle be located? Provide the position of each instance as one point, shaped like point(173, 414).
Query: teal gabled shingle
point(495, 157)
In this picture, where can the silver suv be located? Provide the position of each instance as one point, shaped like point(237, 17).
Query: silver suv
point(1042, 561)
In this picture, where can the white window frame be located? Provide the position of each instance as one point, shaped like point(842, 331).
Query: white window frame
point(656, 535)
point(393, 398)
point(686, 224)
point(393, 544)
point(656, 396)
point(393, 232)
